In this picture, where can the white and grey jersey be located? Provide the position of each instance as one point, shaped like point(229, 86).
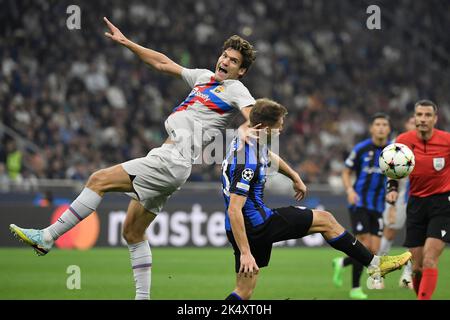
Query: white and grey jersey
point(207, 110)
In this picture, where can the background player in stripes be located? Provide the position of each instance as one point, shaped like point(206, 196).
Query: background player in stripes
point(365, 197)
point(214, 100)
point(252, 227)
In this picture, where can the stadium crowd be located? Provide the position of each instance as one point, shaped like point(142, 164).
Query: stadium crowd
point(85, 103)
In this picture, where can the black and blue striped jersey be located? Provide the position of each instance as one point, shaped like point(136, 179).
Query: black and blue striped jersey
point(244, 173)
point(370, 183)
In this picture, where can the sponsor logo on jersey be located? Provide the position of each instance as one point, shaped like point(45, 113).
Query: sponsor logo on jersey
point(371, 170)
point(369, 156)
point(197, 93)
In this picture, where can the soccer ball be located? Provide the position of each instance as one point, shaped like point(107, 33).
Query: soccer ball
point(396, 161)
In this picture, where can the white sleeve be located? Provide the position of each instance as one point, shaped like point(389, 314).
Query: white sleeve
point(242, 97)
point(190, 76)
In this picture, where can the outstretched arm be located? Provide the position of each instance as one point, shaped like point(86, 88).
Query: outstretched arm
point(352, 196)
point(156, 60)
point(285, 169)
point(248, 263)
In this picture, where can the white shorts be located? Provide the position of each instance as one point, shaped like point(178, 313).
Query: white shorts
point(400, 215)
point(155, 177)
point(400, 207)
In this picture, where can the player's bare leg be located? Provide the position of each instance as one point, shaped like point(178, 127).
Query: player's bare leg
point(245, 284)
point(431, 251)
point(105, 180)
point(112, 179)
point(136, 223)
point(417, 258)
point(375, 242)
point(387, 240)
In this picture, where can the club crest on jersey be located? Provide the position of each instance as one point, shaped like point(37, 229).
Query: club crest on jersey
point(219, 89)
point(438, 163)
point(248, 174)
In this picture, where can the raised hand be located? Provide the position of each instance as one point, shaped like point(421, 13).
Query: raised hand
point(248, 267)
point(114, 33)
point(300, 190)
point(247, 134)
point(352, 196)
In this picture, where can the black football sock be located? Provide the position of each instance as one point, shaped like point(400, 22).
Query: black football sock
point(347, 261)
point(356, 273)
point(348, 244)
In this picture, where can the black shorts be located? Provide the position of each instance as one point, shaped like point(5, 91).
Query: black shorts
point(285, 224)
point(427, 217)
point(366, 221)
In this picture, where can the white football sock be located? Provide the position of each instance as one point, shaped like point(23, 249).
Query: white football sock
point(375, 261)
point(141, 263)
point(408, 268)
point(385, 246)
point(79, 209)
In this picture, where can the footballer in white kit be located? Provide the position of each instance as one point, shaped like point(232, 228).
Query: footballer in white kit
point(213, 101)
point(398, 218)
point(207, 109)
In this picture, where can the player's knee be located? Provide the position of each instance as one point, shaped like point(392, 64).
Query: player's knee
point(327, 221)
point(131, 235)
point(97, 180)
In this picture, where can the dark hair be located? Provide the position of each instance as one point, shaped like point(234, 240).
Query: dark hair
point(426, 103)
point(267, 112)
point(244, 47)
point(409, 117)
point(380, 115)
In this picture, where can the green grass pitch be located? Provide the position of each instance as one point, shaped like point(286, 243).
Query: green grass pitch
point(188, 273)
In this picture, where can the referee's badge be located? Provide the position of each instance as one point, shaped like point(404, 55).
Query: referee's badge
point(438, 163)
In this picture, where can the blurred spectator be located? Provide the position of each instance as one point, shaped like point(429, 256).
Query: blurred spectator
point(4, 179)
point(13, 160)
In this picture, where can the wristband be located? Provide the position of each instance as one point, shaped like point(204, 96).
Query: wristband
point(392, 185)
